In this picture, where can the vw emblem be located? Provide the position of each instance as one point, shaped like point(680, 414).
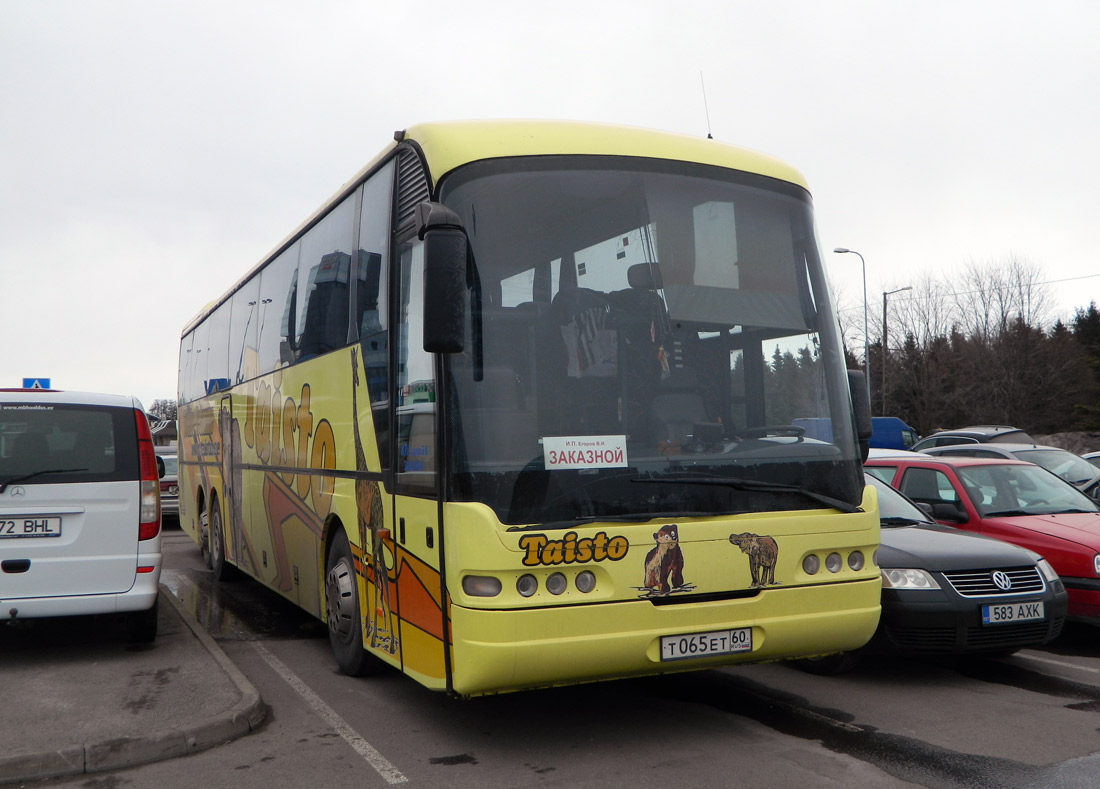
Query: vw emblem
point(18, 492)
point(1002, 580)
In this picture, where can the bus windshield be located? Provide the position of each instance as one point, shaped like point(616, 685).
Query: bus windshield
point(643, 340)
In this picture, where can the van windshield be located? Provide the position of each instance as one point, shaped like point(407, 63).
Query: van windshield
point(66, 443)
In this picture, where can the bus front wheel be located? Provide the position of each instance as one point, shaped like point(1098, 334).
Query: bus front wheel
point(345, 630)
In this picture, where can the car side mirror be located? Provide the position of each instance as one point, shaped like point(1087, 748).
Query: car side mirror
point(161, 470)
point(949, 511)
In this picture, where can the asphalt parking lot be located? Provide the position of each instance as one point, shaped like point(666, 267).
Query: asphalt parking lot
point(111, 704)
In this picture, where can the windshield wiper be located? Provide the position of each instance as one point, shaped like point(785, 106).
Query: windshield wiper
point(899, 521)
point(640, 517)
point(1008, 513)
point(33, 474)
point(754, 485)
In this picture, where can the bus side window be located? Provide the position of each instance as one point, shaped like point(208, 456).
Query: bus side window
point(371, 308)
point(323, 283)
point(276, 309)
point(414, 384)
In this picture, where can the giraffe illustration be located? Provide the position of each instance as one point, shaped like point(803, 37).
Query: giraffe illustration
point(368, 500)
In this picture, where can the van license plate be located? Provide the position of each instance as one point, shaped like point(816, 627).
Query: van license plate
point(1012, 612)
point(27, 526)
point(701, 645)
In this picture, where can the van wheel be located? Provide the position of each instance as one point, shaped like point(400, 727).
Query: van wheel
point(220, 569)
point(345, 630)
point(141, 626)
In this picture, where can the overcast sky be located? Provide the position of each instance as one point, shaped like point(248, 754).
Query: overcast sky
point(151, 152)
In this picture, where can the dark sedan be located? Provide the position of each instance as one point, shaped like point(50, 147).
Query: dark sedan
point(949, 593)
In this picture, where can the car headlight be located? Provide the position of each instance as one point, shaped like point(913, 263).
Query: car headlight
point(1096, 563)
point(1047, 570)
point(908, 579)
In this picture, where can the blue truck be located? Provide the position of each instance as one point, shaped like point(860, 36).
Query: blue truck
point(888, 432)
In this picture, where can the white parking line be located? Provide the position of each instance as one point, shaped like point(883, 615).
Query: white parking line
point(376, 760)
point(1061, 663)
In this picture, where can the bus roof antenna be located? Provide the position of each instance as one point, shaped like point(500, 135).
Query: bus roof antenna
point(706, 109)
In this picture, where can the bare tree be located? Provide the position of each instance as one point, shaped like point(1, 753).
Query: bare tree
point(164, 410)
point(992, 296)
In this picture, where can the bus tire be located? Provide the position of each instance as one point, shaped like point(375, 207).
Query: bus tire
point(219, 567)
point(345, 628)
point(204, 538)
point(829, 665)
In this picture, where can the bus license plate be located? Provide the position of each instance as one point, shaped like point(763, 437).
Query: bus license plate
point(1012, 612)
point(28, 526)
point(700, 645)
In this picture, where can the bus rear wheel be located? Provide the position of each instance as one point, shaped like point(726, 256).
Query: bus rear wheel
point(204, 537)
point(219, 567)
point(345, 629)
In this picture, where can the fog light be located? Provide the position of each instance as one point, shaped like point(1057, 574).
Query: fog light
point(556, 583)
point(481, 585)
point(833, 562)
point(855, 560)
point(586, 582)
point(811, 564)
point(527, 585)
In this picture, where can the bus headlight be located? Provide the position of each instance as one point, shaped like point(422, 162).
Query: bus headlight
point(527, 585)
point(908, 579)
point(855, 560)
point(833, 562)
point(811, 564)
point(481, 585)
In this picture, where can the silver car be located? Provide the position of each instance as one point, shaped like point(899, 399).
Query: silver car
point(168, 464)
point(79, 508)
point(1072, 468)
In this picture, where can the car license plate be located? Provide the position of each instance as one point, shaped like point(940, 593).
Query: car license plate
point(29, 526)
point(700, 645)
point(1012, 612)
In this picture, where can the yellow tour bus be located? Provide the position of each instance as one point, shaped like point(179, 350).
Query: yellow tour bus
point(517, 408)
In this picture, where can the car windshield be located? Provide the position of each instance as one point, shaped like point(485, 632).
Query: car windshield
point(62, 443)
point(1009, 490)
point(1073, 469)
point(894, 509)
point(638, 321)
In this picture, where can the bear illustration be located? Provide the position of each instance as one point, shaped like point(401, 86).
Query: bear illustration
point(665, 561)
point(762, 553)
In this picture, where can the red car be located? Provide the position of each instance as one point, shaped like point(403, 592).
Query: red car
point(1012, 501)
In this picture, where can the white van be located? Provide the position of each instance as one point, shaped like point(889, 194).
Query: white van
point(79, 508)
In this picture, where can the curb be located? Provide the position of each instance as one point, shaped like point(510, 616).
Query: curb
point(93, 757)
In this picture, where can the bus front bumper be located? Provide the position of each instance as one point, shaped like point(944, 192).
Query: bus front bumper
point(502, 650)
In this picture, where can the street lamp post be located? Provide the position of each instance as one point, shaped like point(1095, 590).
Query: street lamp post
point(866, 355)
point(884, 346)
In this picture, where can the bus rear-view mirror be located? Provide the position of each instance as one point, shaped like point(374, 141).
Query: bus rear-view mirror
point(444, 277)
